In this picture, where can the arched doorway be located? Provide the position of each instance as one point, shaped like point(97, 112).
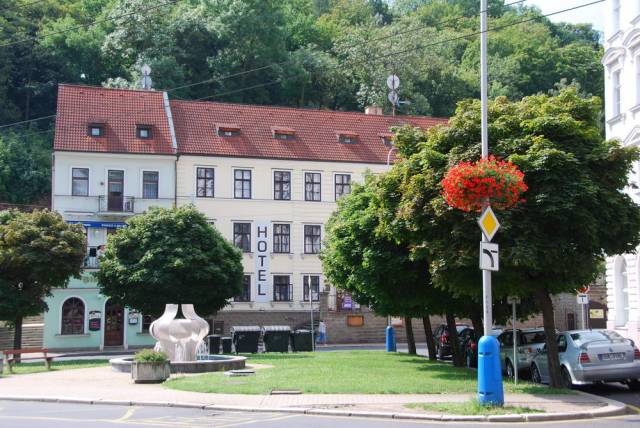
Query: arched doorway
point(113, 324)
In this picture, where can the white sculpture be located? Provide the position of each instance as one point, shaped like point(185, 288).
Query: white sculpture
point(179, 338)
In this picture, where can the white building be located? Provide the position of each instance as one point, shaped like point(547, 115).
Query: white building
point(622, 104)
point(268, 178)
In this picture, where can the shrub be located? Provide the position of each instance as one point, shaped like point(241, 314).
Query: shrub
point(150, 356)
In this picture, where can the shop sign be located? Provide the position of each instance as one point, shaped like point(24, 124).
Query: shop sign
point(596, 313)
point(347, 302)
point(95, 318)
point(133, 317)
point(263, 272)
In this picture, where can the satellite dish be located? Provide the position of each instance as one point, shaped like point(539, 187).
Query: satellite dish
point(393, 97)
point(393, 82)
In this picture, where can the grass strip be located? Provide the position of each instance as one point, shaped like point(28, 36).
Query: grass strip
point(471, 408)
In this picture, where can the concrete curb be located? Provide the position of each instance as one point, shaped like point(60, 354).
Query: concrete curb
point(612, 408)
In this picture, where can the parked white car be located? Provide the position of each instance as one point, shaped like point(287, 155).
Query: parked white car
point(528, 341)
point(591, 356)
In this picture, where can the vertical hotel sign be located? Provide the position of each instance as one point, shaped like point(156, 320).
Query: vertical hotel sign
point(263, 274)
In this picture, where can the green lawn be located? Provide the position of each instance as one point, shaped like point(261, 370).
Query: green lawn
point(27, 368)
point(472, 408)
point(348, 372)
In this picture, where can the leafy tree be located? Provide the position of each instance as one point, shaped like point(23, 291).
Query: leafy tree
point(575, 211)
point(38, 252)
point(25, 167)
point(170, 256)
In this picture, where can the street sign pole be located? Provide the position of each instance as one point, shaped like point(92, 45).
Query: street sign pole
point(490, 390)
point(515, 342)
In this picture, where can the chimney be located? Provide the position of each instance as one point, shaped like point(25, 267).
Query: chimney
point(374, 110)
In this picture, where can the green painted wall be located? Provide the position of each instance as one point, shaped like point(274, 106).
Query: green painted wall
point(86, 289)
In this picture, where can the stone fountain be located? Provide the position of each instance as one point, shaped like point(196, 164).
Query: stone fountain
point(182, 339)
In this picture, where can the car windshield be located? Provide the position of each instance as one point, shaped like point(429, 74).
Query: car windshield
point(532, 337)
point(590, 336)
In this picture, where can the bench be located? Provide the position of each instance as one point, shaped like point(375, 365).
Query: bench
point(12, 356)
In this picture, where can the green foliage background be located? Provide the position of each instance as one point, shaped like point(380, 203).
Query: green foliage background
point(313, 53)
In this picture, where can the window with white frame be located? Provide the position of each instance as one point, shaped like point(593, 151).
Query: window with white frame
point(615, 96)
point(72, 316)
point(80, 181)
point(313, 282)
point(312, 186)
point(282, 288)
point(242, 236)
point(311, 239)
point(245, 295)
point(242, 184)
point(204, 182)
point(150, 184)
point(615, 16)
point(342, 185)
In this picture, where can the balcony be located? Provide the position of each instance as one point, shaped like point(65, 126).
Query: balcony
point(115, 204)
point(91, 260)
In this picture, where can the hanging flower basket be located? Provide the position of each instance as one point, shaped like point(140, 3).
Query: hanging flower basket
point(468, 185)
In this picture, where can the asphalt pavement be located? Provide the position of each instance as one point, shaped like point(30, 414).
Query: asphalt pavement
point(55, 415)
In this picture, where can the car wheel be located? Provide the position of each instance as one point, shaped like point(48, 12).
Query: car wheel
point(566, 378)
point(510, 371)
point(634, 385)
point(535, 374)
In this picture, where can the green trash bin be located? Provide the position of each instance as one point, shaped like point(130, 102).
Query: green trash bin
point(276, 338)
point(214, 344)
point(302, 341)
point(246, 338)
point(226, 345)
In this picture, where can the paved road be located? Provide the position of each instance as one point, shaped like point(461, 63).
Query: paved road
point(52, 415)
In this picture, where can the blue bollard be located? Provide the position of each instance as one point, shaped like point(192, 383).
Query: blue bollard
point(490, 392)
point(391, 339)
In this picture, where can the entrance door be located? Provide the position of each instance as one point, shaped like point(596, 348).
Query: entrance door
point(115, 189)
point(113, 325)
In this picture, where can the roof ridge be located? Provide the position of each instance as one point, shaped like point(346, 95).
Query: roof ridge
point(77, 85)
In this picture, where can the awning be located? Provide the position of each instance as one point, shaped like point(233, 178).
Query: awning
point(100, 224)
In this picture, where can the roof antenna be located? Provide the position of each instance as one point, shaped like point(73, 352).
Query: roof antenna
point(146, 77)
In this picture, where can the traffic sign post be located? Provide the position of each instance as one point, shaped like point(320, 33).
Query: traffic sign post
point(514, 301)
point(583, 301)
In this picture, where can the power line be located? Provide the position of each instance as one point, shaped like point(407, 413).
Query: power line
point(27, 121)
point(88, 24)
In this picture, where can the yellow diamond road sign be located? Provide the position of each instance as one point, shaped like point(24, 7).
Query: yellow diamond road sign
point(489, 223)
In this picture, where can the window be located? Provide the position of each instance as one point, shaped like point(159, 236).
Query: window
point(311, 239)
point(342, 185)
point(616, 85)
point(314, 282)
point(150, 184)
point(204, 182)
point(146, 322)
point(562, 343)
point(96, 130)
point(143, 131)
point(281, 238)
point(245, 296)
point(348, 138)
point(282, 185)
point(242, 184)
point(621, 292)
point(228, 131)
point(281, 288)
point(312, 186)
point(242, 236)
point(80, 181)
point(72, 316)
point(278, 135)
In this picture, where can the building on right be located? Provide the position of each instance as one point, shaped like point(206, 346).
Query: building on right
point(622, 111)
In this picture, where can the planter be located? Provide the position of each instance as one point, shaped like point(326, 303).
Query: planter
point(150, 372)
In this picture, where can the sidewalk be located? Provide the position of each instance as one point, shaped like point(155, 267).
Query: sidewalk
point(102, 385)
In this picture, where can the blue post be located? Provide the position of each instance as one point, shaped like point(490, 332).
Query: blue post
point(490, 392)
point(391, 339)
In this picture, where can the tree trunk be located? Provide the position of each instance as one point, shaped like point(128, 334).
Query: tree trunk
point(544, 300)
point(453, 340)
point(411, 341)
point(431, 342)
point(478, 326)
point(17, 336)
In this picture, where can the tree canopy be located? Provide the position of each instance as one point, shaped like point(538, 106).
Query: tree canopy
point(307, 53)
point(170, 256)
point(38, 252)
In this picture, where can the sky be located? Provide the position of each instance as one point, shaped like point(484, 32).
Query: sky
point(591, 14)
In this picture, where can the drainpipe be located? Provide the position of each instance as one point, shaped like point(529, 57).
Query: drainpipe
point(174, 145)
point(175, 181)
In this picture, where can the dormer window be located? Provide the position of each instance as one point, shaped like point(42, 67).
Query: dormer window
point(96, 130)
point(387, 139)
point(228, 130)
point(347, 137)
point(281, 133)
point(143, 132)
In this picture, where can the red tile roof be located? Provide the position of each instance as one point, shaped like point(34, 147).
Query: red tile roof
point(120, 110)
point(315, 132)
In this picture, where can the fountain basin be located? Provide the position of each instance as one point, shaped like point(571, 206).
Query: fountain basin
point(208, 363)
